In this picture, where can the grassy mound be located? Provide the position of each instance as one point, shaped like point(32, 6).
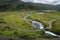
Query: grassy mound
point(56, 27)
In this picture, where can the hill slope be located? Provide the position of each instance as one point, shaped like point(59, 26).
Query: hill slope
point(17, 5)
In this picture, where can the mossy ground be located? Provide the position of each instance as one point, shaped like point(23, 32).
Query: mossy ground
point(15, 19)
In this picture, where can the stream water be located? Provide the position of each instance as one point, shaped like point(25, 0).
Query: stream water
point(40, 26)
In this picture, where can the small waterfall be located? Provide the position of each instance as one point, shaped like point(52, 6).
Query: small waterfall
point(37, 25)
point(40, 26)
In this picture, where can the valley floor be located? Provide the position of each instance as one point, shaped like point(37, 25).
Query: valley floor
point(14, 20)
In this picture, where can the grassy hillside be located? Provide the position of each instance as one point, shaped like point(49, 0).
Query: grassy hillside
point(18, 5)
point(4, 2)
point(12, 24)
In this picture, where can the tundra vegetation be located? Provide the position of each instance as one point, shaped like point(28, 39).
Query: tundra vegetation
point(13, 25)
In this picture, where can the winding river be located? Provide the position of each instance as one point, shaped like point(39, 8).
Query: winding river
point(40, 26)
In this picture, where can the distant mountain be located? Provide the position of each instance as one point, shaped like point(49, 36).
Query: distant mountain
point(51, 2)
point(57, 7)
point(17, 5)
point(37, 6)
point(6, 2)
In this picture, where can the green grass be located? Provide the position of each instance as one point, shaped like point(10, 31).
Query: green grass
point(15, 19)
point(46, 18)
point(56, 27)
